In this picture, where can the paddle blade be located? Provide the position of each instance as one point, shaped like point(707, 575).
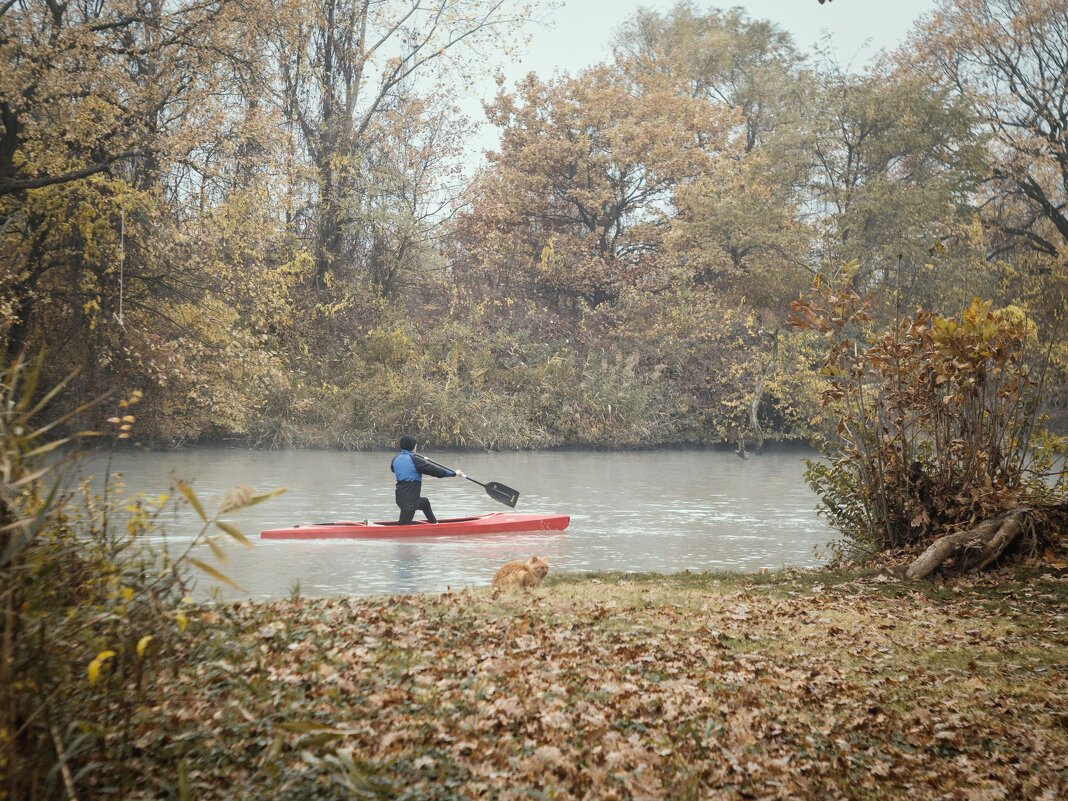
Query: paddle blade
point(502, 494)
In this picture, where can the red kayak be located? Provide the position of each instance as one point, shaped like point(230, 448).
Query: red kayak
point(492, 523)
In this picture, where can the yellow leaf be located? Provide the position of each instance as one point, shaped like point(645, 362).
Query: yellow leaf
point(96, 664)
point(182, 621)
point(191, 496)
point(233, 531)
point(211, 571)
point(142, 644)
point(127, 594)
point(266, 496)
point(216, 549)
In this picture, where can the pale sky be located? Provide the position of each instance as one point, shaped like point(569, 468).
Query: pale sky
point(580, 31)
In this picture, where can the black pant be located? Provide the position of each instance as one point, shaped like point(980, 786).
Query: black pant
point(409, 501)
point(407, 515)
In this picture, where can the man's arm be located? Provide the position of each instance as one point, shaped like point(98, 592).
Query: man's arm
point(428, 469)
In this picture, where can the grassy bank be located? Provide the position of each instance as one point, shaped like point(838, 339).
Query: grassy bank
point(811, 684)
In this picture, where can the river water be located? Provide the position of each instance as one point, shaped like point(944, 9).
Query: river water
point(664, 511)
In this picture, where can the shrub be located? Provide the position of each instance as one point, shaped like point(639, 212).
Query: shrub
point(90, 609)
point(938, 421)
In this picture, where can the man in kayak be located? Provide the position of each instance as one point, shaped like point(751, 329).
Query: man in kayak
point(409, 468)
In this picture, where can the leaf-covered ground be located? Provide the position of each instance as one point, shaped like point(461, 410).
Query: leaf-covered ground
point(796, 684)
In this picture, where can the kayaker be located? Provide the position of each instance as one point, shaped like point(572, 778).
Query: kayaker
point(409, 468)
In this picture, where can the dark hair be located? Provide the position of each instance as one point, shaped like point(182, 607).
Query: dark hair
point(408, 442)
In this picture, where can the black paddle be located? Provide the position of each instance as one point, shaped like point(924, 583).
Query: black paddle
point(497, 491)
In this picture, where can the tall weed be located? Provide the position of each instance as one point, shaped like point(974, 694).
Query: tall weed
point(91, 609)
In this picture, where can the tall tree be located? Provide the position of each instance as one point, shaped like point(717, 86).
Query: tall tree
point(894, 163)
point(581, 190)
point(737, 227)
point(348, 68)
point(750, 66)
point(1009, 60)
point(114, 79)
point(141, 269)
point(409, 187)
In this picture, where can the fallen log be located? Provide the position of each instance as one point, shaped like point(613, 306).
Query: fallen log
point(977, 547)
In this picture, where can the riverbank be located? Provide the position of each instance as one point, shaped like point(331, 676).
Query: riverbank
point(793, 684)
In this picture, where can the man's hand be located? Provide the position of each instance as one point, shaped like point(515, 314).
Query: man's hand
point(461, 474)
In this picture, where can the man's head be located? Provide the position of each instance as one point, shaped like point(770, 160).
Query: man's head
point(408, 442)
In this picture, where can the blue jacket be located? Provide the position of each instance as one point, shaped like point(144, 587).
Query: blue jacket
point(408, 466)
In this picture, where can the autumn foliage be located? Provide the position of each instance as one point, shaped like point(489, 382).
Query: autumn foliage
point(243, 199)
point(260, 222)
point(939, 422)
point(93, 601)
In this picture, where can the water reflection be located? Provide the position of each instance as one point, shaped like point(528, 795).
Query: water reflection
point(661, 511)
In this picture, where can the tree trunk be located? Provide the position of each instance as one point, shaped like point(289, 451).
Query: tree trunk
point(977, 547)
point(758, 393)
point(329, 236)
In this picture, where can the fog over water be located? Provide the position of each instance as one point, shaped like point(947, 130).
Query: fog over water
point(664, 511)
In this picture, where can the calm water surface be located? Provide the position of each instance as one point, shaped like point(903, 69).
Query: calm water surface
point(664, 511)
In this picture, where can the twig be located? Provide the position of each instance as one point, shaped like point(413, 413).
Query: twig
point(1030, 425)
point(68, 780)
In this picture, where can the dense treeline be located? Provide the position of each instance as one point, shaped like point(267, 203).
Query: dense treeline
point(257, 214)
